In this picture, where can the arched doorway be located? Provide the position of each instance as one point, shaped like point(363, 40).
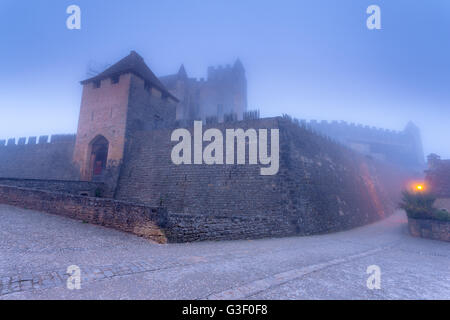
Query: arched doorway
point(99, 155)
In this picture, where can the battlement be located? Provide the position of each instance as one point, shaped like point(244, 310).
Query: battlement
point(225, 72)
point(401, 147)
point(347, 125)
point(45, 139)
point(222, 91)
point(343, 130)
point(45, 157)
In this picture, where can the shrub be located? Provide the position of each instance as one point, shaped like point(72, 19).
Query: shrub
point(441, 214)
point(98, 193)
point(419, 205)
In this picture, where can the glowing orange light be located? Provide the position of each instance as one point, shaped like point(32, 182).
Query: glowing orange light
point(419, 187)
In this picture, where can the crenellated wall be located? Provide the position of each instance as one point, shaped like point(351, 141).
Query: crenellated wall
point(403, 148)
point(35, 158)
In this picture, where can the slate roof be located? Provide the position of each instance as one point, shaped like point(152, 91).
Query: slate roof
point(133, 63)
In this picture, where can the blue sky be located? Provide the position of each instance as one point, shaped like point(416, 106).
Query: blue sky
point(312, 59)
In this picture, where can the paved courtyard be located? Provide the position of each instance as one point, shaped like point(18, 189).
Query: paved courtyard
point(36, 249)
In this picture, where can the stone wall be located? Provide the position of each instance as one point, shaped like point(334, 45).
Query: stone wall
point(438, 177)
point(321, 187)
point(84, 188)
point(147, 108)
point(148, 222)
point(442, 203)
point(403, 148)
point(197, 227)
point(39, 159)
point(331, 187)
point(140, 220)
point(149, 176)
point(430, 229)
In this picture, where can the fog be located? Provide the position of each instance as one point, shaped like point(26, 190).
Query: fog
point(309, 59)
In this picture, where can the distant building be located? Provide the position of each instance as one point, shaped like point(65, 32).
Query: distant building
point(438, 176)
point(223, 92)
point(400, 147)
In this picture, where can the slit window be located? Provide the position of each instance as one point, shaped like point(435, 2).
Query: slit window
point(97, 84)
point(115, 79)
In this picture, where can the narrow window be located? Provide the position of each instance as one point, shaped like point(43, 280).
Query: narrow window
point(115, 79)
point(97, 84)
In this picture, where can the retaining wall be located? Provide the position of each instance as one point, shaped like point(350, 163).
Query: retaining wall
point(78, 188)
point(430, 229)
point(140, 220)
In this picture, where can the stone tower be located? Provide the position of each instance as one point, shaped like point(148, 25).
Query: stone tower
point(223, 92)
point(125, 98)
point(413, 132)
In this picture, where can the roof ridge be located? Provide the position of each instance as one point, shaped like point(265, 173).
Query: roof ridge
point(132, 63)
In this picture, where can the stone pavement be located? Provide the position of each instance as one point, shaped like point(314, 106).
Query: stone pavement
point(36, 249)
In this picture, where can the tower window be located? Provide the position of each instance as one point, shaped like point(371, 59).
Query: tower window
point(115, 79)
point(97, 84)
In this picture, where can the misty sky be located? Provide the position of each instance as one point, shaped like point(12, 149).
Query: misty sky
point(310, 59)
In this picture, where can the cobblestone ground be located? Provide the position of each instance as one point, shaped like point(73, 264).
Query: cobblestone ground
point(36, 249)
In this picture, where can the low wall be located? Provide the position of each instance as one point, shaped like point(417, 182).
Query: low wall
point(198, 227)
point(430, 229)
point(140, 220)
point(78, 188)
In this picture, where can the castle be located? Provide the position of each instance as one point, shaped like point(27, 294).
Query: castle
point(331, 177)
point(403, 148)
point(223, 93)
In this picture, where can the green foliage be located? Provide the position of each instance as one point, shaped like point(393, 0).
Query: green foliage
point(441, 214)
point(98, 193)
point(420, 205)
